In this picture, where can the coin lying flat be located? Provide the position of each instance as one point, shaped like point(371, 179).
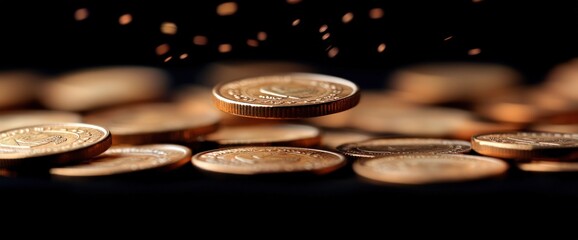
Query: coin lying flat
point(399, 146)
point(427, 169)
point(18, 87)
point(52, 144)
point(154, 123)
point(548, 166)
point(266, 160)
point(296, 135)
point(291, 96)
point(128, 159)
point(527, 145)
point(23, 118)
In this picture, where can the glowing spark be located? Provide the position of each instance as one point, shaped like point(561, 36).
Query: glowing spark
point(347, 17)
point(162, 49)
point(262, 36)
point(183, 56)
point(81, 14)
point(296, 22)
point(474, 51)
point(168, 58)
point(333, 52)
point(323, 28)
point(293, 1)
point(169, 28)
point(225, 48)
point(376, 13)
point(125, 19)
point(448, 38)
point(200, 40)
point(226, 9)
point(325, 36)
point(381, 47)
point(252, 43)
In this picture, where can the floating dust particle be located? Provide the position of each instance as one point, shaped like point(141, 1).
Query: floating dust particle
point(169, 28)
point(262, 36)
point(225, 48)
point(162, 49)
point(381, 47)
point(474, 51)
point(125, 19)
point(81, 14)
point(376, 13)
point(200, 40)
point(227, 9)
point(347, 17)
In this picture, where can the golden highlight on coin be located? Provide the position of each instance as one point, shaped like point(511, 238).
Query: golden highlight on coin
point(268, 160)
point(288, 96)
point(23, 118)
point(401, 146)
point(129, 159)
point(427, 169)
point(296, 135)
point(527, 145)
point(52, 144)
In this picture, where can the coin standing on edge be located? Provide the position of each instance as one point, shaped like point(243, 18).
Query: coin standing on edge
point(427, 169)
point(527, 145)
point(286, 96)
point(52, 144)
point(268, 160)
point(129, 159)
point(295, 135)
point(399, 146)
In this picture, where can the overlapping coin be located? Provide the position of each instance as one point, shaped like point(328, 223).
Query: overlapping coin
point(400, 146)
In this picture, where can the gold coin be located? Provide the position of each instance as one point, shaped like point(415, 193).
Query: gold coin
point(296, 95)
point(18, 88)
point(265, 160)
point(427, 169)
point(154, 123)
point(53, 144)
point(548, 166)
point(330, 139)
point(527, 145)
point(129, 159)
point(296, 135)
point(402, 146)
point(23, 118)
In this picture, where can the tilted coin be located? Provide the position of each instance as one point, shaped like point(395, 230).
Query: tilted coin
point(52, 144)
point(527, 145)
point(267, 160)
point(548, 166)
point(291, 96)
point(154, 123)
point(400, 146)
point(129, 159)
point(297, 135)
point(429, 168)
point(23, 118)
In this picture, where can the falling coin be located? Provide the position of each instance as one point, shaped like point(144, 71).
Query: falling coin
point(527, 145)
point(403, 146)
point(296, 135)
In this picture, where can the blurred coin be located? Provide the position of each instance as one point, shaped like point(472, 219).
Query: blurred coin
point(88, 89)
point(129, 159)
point(289, 96)
point(427, 169)
point(224, 71)
point(18, 88)
point(445, 82)
point(52, 144)
point(154, 123)
point(527, 145)
point(267, 160)
point(548, 166)
point(23, 118)
point(296, 135)
point(403, 146)
point(560, 128)
point(331, 138)
point(563, 79)
point(475, 126)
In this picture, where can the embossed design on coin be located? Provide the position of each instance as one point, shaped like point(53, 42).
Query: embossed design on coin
point(428, 168)
point(398, 146)
point(262, 160)
point(129, 159)
point(56, 143)
point(297, 95)
point(526, 145)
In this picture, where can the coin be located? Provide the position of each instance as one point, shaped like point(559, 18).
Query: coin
point(401, 146)
point(267, 160)
point(23, 118)
point(129, 159)
point(154, 123)
point(428, 168)
point(98, 87)
point(52, 144)
point(548, 166)
point(297, 135)
point(291, 96)
point(18, 88)
point(330, 139)
point(562, 79)
point(527, 145)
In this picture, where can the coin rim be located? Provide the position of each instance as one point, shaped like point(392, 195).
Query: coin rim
point(346, 148)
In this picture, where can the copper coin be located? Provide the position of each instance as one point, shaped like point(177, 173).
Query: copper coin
point(401, 146)
point(527, 145)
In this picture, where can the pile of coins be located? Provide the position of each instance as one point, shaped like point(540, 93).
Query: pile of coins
point(434, 123)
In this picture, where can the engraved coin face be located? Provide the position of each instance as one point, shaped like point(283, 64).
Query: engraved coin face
point(58, 143)
point(129, 159)
point(297, 95)
point(429, 168)
point(271, 134)
point(264, 160)
point(526, 145)
point(399, 146)
point(23, 118)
